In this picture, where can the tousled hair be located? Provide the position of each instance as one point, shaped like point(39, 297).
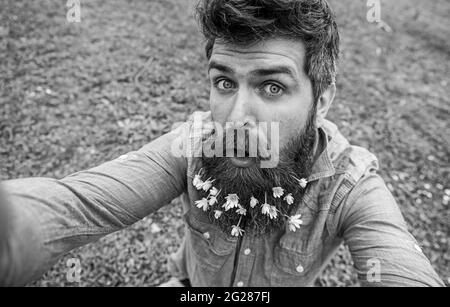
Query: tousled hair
point(245, 22)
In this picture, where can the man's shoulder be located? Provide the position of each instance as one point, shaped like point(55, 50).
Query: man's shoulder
point(347, 158)
point(356, 169)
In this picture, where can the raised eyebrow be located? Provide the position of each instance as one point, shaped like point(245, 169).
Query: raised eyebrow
point(262, 72)
point(221, 67)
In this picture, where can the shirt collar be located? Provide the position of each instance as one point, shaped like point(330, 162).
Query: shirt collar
point(322, 167)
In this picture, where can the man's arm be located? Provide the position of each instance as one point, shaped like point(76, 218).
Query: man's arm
point(374, 230)
point(47, 217)
point(4, 229)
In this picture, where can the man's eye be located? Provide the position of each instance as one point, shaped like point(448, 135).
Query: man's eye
point(224, 84)
point(273, 89)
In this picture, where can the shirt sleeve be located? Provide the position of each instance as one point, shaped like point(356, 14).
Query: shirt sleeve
point(383, 251)
point(50, 217)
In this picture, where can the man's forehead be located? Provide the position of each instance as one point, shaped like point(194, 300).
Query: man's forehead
point(272, 51)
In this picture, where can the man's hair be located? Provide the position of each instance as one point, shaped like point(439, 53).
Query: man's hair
point(245, 22)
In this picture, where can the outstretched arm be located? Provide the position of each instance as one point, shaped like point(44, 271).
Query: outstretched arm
point(5, 227)
point(383, 251)
point(41, 219)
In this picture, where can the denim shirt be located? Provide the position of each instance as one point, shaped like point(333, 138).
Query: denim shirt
point(345, 202)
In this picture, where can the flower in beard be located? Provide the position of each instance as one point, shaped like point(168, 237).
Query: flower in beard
point(212, 201)
point(202, 204)
point(289, 199)
point(197, 181)
point(278, 192)
point(207, 185)
point(295, 222)
point(273, 212)
point(217, 214)
point(241, 211)
point(236, 231)
point(303, 182)
point(199, 184)
point(214, 191)
point(269, 210)
point(213, 194)
point(232, 202)
point(253, 202)
point(265, 208)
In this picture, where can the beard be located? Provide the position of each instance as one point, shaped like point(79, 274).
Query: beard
point(295, 162)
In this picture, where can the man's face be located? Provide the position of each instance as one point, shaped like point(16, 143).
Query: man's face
point(263, 83)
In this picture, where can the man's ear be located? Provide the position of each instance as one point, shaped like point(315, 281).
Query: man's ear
point(324, 103)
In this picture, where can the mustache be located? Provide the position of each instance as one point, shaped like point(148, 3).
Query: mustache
point(259, 143)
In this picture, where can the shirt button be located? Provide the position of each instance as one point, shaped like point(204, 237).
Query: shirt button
point(240, 284)
point(247, 252)
point(300, 269)
point(206, 235)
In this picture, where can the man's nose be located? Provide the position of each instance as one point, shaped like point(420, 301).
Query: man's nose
point(241, 114)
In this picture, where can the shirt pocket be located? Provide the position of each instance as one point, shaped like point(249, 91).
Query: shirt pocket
point(293, 268)
point(296, 257)
point(209, 246)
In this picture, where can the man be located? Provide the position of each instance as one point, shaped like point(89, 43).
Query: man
point(247, 224)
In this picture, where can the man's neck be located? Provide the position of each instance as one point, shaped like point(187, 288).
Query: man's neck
point(318, 146)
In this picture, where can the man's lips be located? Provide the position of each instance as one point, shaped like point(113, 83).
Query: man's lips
point(241, 147)
point(242, 162)
point(241, 158)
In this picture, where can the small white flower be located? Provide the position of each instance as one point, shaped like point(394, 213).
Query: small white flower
point(199, 184)
point(207, 185)
point(265, 208)
point(278, 192)
point(232, 202)
point(289, 199)
point(241, 211)
point(212, 201)
point(253, 202)
point(236, 231)
point(214, 191)
point(197, 180)
point(273, 212)
point(303, 182)
point(295, 222)
point(202, 204)
point(217, 214)
point(269, 210)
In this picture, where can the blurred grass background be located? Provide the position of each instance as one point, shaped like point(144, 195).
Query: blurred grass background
point(75, 95)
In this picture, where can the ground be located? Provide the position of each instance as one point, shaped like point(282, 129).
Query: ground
point(75, 95)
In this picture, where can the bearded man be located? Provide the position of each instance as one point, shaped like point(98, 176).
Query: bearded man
point(269, 62)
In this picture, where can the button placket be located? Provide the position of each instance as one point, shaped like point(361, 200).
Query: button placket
point(246, 259)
